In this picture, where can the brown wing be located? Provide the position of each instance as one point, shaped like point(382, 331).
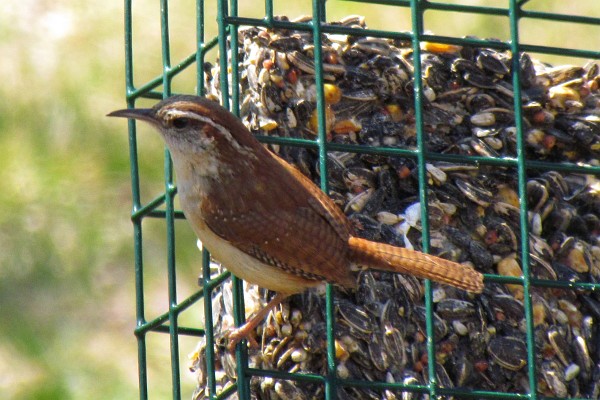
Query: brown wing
point(320, 202)
point(283, 220)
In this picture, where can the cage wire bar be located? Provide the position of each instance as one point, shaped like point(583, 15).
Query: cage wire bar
point(162, 206)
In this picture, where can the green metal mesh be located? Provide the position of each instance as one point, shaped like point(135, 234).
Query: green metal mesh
point(162, 207)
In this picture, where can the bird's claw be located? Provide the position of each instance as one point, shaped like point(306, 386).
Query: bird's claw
point(235, 336)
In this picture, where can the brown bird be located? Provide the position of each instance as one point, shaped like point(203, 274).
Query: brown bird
point(262, 218)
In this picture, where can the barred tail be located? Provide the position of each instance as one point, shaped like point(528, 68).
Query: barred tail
point(397, 259)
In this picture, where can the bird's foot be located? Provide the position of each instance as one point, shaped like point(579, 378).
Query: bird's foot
point(235, 336)
point(245, 331)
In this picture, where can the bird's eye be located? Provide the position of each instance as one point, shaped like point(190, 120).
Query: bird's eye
point(180, 123)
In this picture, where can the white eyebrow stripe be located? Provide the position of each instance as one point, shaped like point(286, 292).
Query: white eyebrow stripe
point(172, 114)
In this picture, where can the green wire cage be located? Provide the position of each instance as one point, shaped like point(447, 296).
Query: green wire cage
point(228, 23)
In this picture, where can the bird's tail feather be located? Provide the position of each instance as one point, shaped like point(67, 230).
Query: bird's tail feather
point(384, 257)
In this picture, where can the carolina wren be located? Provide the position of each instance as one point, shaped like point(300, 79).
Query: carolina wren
point(262, 218)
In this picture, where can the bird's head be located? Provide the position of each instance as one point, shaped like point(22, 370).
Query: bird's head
point(196, 126)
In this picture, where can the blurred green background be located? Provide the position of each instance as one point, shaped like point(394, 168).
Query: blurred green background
point(66, 261)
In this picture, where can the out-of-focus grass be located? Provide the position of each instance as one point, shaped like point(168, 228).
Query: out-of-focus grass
point(66, 276)
point(65, 284)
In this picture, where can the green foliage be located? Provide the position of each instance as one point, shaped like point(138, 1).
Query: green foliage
point(65, 238)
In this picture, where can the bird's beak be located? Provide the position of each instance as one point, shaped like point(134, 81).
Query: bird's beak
point(143, 114)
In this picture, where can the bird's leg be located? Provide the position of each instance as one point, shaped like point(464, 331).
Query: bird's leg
point(244, 331)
